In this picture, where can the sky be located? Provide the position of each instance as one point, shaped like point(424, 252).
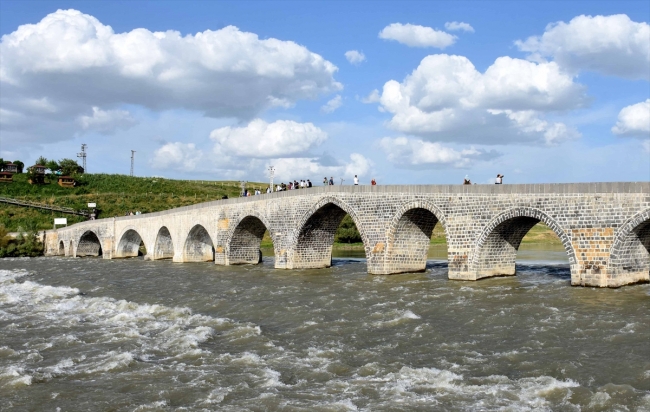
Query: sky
point(402, 92)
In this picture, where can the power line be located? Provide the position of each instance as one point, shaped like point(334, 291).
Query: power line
point(132, 157)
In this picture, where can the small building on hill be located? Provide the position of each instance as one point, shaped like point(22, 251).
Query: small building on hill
point(38, 174)
point(10, 168)
point(6, 177)
point(66, 181)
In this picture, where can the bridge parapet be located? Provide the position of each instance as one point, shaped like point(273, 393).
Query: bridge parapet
point(484, 225)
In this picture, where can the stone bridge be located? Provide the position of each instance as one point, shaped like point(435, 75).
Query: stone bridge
point(604, 227)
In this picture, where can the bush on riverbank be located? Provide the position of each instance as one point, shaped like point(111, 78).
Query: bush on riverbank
point(25, 245)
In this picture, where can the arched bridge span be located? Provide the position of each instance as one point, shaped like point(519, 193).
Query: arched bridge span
point(604, 227)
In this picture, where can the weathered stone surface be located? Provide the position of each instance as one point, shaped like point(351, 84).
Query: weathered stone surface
point(604, 227)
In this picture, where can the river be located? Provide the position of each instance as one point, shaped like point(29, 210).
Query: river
point(91, 334)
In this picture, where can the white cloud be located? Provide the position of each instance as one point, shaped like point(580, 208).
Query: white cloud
point(355, 57)
point(457, 25)
point(447, 99)
point(73, 62)
point(613, 45)
point(178, 156)
point(332, 105)
point(259, 139)
point(373, 97)
point(417, 36)
point(634, 120)
point(416, 153)
point(106, 121)
point(312, 168)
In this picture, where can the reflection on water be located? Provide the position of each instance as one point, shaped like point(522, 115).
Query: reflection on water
point(93, 334)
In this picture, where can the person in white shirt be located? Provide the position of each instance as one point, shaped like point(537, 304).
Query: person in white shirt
point(499, 179)
point(356, 180)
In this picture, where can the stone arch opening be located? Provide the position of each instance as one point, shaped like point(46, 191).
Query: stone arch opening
point(496, 250)
point(409, 240)
point(630, 253)
point(89, 245)
point(199, 246)
point(61, 248)
point(244, 243)
point(315, 238)
point(130, 245)
point(164, 246)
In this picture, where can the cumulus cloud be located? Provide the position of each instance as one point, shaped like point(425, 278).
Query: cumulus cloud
point(417, 36)
point(355, 57)
point(419, 154)
point(634, 120)
point(457, 25)
point(183, 157)
point(332, 105)
point(314, 168)
point(373, 97)
point(446, 99)
point(74, 63)
point(106, 121)
point(259, 139)
point(612, 45)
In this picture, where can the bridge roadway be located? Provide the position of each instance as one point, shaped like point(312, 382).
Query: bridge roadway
point(604, 227)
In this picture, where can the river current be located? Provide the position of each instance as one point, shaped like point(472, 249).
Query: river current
point(133, 335)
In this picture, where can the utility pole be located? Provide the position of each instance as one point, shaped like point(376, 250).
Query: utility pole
point(132, 157)
point(272, 173)
point(82, 155)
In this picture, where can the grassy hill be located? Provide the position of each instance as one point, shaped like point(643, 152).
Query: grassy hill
point(116, 195)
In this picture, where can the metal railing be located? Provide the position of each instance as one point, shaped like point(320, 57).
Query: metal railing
point(25, 203)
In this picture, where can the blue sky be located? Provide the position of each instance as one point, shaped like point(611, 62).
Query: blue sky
point(537, 91)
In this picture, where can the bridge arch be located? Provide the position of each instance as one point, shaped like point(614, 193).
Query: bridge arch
point(497, 245)
point(629, 259)
point(89, 245)
point(61, 251)
point(313, 237)
point(409, 235)
point(243, 239)
point(163, 247)
point(129, 244)
point(198, 245)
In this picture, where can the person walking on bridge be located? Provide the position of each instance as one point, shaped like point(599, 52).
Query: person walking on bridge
point(499, 179)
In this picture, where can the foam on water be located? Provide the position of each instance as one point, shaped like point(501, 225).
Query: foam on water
point(398, 349)
point(151, 331)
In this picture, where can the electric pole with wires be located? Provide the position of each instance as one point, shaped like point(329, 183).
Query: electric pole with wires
point(82, 155)
point(132, 157)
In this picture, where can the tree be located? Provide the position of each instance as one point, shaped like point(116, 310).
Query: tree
point(41, 161)
point(347, 231)
point(20, 165)
point(70, 167)
point(53, 166)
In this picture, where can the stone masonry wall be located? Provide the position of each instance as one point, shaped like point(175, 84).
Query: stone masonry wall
point(483, 224)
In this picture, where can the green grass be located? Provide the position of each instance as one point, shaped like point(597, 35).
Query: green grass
point(115, 195)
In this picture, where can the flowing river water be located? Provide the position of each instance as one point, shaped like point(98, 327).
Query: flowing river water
point(91, 334)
